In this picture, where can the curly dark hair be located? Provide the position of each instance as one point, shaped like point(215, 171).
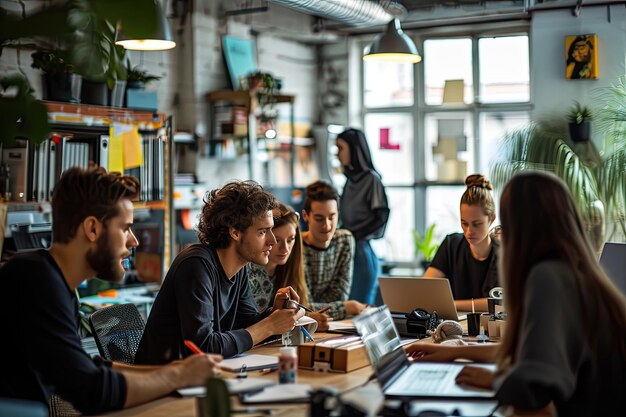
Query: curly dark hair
point(234, 205)
point(81, 193)
point(319, 191)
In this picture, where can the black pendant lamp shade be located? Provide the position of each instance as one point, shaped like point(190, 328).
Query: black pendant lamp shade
point(160, 38)
point(393, 45)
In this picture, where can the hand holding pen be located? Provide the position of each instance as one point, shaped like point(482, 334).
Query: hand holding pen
point(285, 297)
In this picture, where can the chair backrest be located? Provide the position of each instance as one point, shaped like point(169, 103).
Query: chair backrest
point(22, 408)
point(117, 330)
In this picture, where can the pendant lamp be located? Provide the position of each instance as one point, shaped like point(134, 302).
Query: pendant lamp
point(158, 40)
point(393, 46)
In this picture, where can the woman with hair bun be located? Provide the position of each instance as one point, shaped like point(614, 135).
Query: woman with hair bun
point(469, 259)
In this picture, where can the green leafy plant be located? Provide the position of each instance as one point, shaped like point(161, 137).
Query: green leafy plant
point(52, 61)
point(137, 75)
point(426, 246)
point(597, 180)
point(579, 114)
point(88, 29)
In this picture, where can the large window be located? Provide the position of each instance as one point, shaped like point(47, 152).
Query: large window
point(425, 141)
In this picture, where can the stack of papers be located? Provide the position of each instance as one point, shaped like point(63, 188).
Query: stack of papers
point(283, 393)
point(235, 386)
point(252, 362)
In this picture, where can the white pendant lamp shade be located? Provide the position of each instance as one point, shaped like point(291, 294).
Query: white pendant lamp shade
point(393, 46)
point(158, 40)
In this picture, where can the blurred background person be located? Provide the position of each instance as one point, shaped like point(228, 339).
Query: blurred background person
point(364, 211)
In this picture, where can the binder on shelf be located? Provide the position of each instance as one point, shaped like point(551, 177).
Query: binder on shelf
point(16, 159)
point(102, 154)
point(52, 169)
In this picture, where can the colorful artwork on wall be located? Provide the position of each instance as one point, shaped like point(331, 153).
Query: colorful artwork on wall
point(581, 54)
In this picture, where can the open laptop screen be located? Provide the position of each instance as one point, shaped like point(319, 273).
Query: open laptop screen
point(379, 335)
point(613, 261)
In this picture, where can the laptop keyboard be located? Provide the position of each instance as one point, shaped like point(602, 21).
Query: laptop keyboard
point(433, 380)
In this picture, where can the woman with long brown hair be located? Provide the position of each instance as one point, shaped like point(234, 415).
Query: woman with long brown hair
point(285, 267)
point(565, 337)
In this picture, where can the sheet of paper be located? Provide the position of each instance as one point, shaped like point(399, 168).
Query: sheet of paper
point(235, 386)
point(452, 408)
point(341, 326)
point(279, 394)
point(252, 362)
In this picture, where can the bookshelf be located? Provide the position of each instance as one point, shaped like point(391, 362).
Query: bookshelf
point(235, 136)
point(81, 133)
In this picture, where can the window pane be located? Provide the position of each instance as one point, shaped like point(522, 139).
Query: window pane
point(493, 126)
point(504, 73)
point(442, 209)
point(397, 245)
point(449, 146)
point(390, 137)
point(447, 59)
point(387, 84)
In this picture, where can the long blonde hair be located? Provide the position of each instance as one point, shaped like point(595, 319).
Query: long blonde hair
point(292, 272)
point(540, 222)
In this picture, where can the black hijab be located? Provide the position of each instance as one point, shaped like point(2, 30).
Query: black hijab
point(360, 157)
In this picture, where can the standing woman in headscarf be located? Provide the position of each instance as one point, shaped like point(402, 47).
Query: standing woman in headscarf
point(364, 211)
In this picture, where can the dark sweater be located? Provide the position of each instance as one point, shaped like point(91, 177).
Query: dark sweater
point(198, 302)
point(40, 353)
point(556, 357)
point(469, 277)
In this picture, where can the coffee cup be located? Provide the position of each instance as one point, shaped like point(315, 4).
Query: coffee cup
point(297, 336)
point(473, 324)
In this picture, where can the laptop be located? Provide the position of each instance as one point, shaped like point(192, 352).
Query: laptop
point(613, 261)
point(405, 294)
point(401, 379)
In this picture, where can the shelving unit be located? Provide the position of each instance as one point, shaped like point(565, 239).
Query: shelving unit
point(247, 100)
point(89, 124)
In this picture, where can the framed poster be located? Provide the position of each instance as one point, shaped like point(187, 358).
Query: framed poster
point(240, 58)
point(581, 54)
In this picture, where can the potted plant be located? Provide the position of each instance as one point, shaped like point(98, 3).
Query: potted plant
point(579, 118)
point(138, 78)
point(74, 22)
point(596, 179)
point(425, 246)
point(60, 83)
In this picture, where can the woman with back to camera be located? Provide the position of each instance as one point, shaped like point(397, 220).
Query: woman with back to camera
point(285, 267)
point(364, 211)
point(469, 259)
point(565, 339)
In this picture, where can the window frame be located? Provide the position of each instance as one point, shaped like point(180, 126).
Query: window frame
point(420, 109)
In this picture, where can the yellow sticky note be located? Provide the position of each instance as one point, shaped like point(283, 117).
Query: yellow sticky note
point(133, 157)
point(116, 150)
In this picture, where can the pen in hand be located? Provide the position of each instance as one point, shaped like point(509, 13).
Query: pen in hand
point(193, 347)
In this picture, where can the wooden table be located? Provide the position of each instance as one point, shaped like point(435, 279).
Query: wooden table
point(173, 406)
point(186, 407)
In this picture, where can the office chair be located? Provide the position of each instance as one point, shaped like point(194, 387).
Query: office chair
point(117, 330)
point(22, 408)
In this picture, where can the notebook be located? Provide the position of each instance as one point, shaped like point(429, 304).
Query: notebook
point(253, 362)
point(402, 379)
point(613, 261)
point(405, 294)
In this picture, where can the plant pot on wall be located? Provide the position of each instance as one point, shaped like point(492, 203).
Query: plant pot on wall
point(95, 92)
point(580, 132)
point(61, 86)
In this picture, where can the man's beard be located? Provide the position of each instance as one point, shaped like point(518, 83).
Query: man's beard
point(103, 260)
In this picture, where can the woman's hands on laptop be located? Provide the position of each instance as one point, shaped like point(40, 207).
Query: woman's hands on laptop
point(476, 377)
point(430, 352)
